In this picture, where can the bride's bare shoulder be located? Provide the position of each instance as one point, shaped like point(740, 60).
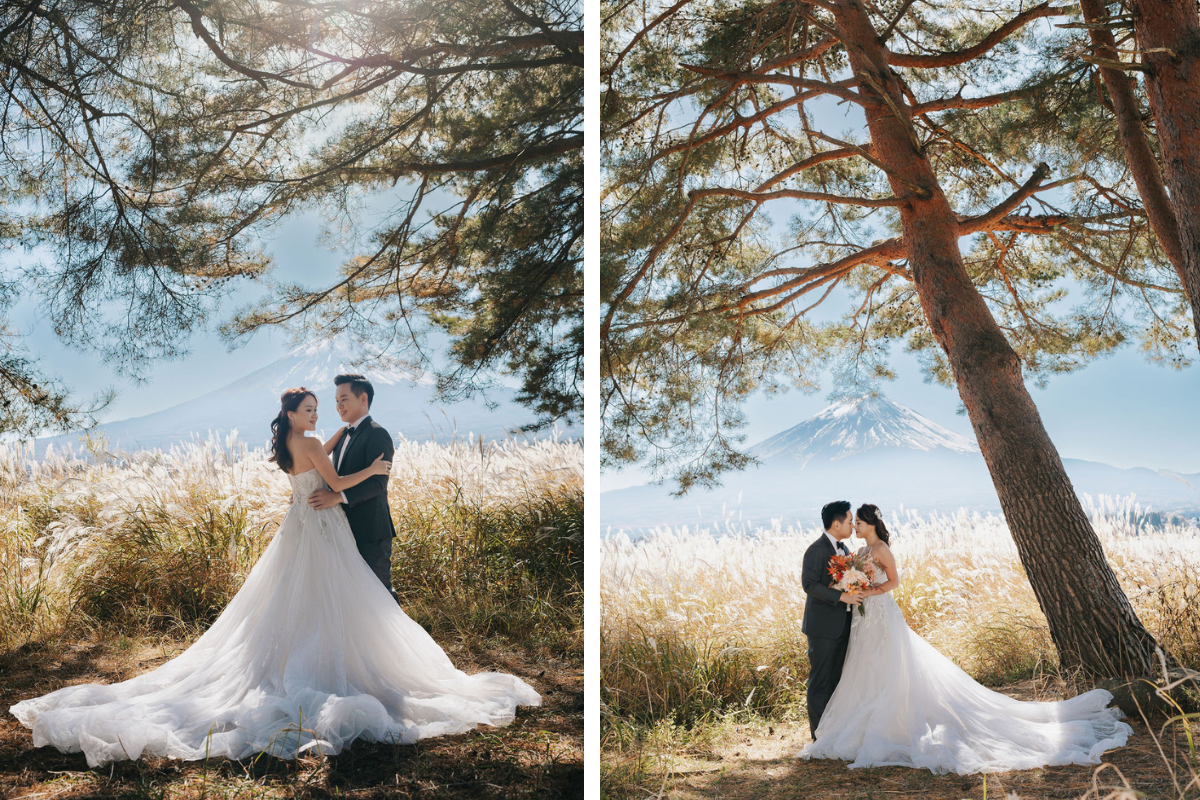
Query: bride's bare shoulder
point(881, 552)
point(303, 454)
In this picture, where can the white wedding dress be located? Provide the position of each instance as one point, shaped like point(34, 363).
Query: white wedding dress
point(312, 653)
point(902, 703)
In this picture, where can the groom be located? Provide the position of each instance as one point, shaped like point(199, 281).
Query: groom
point(826, 610)
point(365, 504)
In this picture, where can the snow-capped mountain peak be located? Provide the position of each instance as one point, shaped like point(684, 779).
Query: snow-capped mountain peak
point(862, 423)
point(314, 365)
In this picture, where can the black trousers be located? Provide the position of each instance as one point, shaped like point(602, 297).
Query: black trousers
point(825, 658)
point(378, 555)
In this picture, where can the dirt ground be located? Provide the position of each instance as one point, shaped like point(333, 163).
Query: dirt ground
point(757, 761)
point(539, 756)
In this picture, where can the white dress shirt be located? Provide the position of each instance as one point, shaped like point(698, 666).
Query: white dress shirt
point(344, 445)
point(833, 542)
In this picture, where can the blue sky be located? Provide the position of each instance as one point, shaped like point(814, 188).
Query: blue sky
point(1120, 410)
point(299, 256)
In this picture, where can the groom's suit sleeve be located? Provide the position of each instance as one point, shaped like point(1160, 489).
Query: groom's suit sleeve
point(380, 442)
point(812, 576)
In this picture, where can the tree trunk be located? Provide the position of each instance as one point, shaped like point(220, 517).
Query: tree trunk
point(1168, 36)
point(1091, 622)
point(1142, 162)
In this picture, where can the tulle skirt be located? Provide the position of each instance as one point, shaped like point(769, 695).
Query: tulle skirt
point(902, 703)
point(311, 654)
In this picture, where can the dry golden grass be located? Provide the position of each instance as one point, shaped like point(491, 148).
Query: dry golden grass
point(163, 540)
point(111, 564)
point(747, 757)
point(699, 629)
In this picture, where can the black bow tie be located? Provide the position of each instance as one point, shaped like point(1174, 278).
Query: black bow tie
point(350, 430)
point(844, 550)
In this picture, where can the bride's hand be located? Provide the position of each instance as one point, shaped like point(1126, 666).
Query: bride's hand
point(380, 467)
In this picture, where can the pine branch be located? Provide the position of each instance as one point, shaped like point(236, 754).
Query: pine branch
point(989, 42)
point(511, 159)
point(959, 102)
point(1111, 63)
point(837, 89)
point(1008, 204)
point(797, 194)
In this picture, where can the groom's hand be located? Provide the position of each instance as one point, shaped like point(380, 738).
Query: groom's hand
point(323, 498)
point(850, 598)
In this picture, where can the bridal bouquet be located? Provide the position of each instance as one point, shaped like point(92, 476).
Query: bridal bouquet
point(854, 573)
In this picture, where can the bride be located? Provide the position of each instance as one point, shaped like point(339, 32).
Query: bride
point(902, 703)
point(311, 654)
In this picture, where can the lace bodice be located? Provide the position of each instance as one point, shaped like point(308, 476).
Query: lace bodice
point(880, 574)
point(305, 484)
point(880, 577)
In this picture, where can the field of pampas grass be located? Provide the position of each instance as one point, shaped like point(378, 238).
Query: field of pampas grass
point(703, 626)
point(113, 562)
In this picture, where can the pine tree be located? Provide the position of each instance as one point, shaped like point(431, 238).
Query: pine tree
point(152, 143)
point(1160, 39)
point(953, 220)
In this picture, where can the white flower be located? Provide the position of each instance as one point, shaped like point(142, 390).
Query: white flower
point(852, 576)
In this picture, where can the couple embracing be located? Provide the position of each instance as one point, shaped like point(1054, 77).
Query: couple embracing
point(313, 651)
point(880, 695)
point(362, 445)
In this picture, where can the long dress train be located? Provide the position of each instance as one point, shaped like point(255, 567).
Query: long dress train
point(312, 653)
point(902, 703)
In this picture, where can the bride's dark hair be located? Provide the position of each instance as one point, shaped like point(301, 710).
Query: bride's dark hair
point(870, 515)
point(281, 426)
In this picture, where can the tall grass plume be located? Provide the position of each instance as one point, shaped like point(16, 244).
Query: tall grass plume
point(695, 622)
point(490, 537)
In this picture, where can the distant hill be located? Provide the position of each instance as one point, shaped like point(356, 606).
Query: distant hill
point(404, 404)
point(870, 450)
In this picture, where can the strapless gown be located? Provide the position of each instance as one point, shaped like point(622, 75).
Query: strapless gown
point(902, 703)
point(312, 653)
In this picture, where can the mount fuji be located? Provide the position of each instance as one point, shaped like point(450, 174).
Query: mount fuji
point(855, 426)
point(405, 403)
point(870, 449)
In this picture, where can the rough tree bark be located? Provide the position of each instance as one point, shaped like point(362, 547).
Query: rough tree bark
point(1143, 164)
point(1168, 38)
point(1091, 621)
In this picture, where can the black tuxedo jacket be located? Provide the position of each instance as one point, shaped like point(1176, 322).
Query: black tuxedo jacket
point(824, 614)
point(366, 504)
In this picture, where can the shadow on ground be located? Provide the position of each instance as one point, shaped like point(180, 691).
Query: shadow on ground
point(758, 761)
point(540, 755)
